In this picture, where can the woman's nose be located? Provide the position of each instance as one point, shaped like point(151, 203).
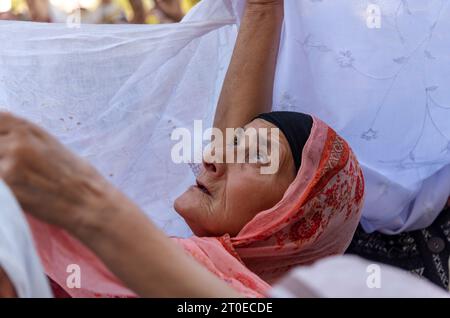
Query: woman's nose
point(213, 161)
point(213, 168)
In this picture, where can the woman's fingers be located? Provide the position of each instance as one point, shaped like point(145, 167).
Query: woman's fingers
point(47, 179)
point(8, 121)
point(12, 124)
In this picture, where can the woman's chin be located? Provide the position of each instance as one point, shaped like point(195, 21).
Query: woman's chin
point(186, 206)
point(189, 208)
point(185, 203)
point(197, 230)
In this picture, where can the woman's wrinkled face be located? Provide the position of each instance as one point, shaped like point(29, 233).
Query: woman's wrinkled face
point(229, 195)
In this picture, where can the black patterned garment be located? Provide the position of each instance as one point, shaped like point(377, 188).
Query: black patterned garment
point(423, 252)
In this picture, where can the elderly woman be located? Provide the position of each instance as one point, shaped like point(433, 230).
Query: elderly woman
point(250, 228)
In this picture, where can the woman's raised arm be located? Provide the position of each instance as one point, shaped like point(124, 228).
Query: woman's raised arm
point(248, 86)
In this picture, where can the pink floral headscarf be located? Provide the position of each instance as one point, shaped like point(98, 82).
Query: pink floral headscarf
point(316, 218)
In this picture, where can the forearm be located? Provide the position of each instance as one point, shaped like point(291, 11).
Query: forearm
point(248, 85)
point(143, 257)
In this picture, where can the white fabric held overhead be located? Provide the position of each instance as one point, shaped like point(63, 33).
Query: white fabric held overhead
point(376, 71)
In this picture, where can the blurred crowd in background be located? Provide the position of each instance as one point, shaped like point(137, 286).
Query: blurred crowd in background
point(96, 11)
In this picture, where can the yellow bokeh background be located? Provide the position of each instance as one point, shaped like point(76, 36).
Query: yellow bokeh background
point(20, 6)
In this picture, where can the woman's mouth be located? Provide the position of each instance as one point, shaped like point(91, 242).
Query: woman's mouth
point(202, 188)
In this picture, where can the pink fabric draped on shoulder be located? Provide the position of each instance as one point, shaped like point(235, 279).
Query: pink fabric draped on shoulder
point(316, 218)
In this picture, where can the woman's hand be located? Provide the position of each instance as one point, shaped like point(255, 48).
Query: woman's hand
point(48, 180)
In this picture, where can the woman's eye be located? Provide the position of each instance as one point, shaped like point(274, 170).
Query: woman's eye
point(261, 158)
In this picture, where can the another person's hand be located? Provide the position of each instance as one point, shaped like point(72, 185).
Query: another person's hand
point(48, 180)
